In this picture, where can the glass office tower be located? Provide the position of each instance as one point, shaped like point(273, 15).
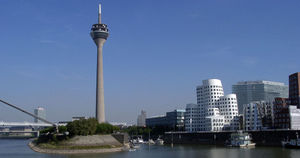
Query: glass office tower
point(250, 91)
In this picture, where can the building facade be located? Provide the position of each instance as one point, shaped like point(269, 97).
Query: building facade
point(141, 119)
point(294, 89)
point(281, 113)
point(176, 119)
point(191, 116)
point(294, 117)
point(172, 121)
point(258, 115)
point(214, 111)
point(250, 91)
point(40, 112)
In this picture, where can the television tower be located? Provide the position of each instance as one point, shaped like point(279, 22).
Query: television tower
point(99, 34)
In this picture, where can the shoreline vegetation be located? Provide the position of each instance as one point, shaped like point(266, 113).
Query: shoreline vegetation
point(79, 136)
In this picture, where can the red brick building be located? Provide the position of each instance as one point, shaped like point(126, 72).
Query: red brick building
point(294, 90)
point(281, 113)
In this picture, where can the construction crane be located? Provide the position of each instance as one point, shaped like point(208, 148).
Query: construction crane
point(30, 114)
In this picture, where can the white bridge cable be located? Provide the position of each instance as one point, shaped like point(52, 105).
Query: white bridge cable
point(28, 113)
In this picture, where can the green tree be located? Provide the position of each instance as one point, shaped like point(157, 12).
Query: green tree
point(82, 127)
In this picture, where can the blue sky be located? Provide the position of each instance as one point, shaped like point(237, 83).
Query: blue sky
point(157, 53)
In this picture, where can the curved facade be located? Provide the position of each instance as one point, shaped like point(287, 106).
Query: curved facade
point(229, 109)
point(214, 111)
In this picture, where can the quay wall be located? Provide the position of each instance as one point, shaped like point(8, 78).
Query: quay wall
point(261, 138)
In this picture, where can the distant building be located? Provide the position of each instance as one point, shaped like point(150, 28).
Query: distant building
point(40, 112)
point(294, 117)
point(173, 120)
point(118, 123)
point(250, 91)
point(258, 115)
point(141, 120)
point(121, 125)
point(79, 118)
point(281, 113)
point(294, 89)
point(63, 123)
point(214, 111)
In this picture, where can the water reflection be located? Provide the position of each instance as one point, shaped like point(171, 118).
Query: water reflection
point(19, 149)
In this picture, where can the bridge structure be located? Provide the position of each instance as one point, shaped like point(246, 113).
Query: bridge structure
point(24, 124)
point(8, 127)
point(21, 129)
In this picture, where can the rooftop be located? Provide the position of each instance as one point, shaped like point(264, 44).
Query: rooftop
point(260, 82)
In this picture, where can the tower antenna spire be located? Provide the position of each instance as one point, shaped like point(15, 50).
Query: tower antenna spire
point(99, 14)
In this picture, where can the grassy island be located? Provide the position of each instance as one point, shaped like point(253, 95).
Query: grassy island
point(79, 136)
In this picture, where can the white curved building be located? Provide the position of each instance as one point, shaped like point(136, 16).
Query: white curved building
point(229, 109)
point(214, 111)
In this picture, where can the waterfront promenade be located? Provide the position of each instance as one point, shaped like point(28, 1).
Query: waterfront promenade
point(261, 138)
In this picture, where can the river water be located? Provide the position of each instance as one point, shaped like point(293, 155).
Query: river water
point(14, 148)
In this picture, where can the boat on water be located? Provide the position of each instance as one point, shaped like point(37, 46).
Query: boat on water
point(159, 141)
point(134, 146)
point(150, 142)
point(240, 139)
point(138, 141)
point(293, 143)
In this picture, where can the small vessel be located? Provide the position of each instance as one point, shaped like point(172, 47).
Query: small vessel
point(240, 139)
point(134, 146)
point(293, 143)
point(140, 141)
point(150, 142)
point(159, 141)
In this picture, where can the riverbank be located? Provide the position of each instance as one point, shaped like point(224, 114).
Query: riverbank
point(36, 148)
point(261, 138)
point(81, 145)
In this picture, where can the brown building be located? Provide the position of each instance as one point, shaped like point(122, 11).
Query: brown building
point(281, 113)
point(294, 89)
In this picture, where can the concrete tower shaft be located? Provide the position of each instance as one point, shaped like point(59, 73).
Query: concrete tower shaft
point(99, 34)
point(100, 109)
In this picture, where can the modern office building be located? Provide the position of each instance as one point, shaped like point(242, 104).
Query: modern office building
point(141, 119)
point(192, 117)
point(176, 119)
point(258, 115)
point(294, 89)
point(214, 111)
point(172, 121)
point(250, 91)
point(294, 117)
point(99, 34)
point(252, 120)
point(40, 112)
point(156, 121)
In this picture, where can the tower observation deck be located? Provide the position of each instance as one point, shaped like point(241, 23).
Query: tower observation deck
point(99, 33)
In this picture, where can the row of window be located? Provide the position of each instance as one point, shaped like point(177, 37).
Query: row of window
point(212, 86)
